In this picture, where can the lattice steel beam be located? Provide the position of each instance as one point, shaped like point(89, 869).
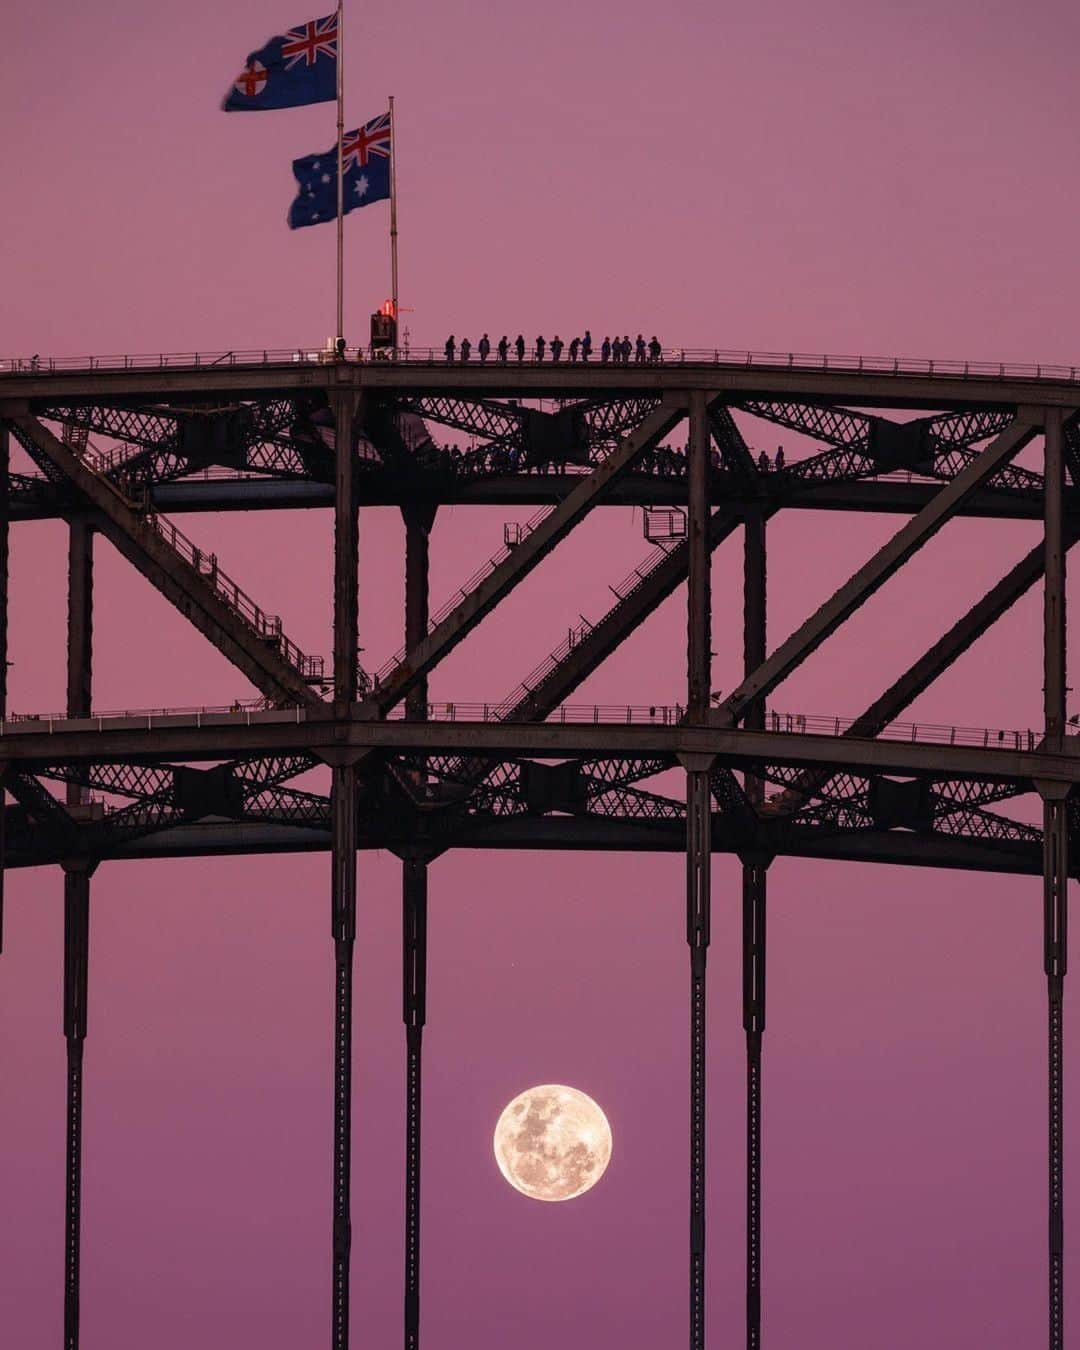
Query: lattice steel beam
point(845, 601)
point(520, 562)
point(177, 580)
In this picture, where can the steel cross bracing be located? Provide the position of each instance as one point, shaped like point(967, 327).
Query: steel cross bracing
point(108, 451)
point(520, 451)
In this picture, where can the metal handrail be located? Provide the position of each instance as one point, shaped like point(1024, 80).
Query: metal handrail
point(622, 592)
point(266, 626)
point(481, 574)
point(427, 356)
point(627, 714)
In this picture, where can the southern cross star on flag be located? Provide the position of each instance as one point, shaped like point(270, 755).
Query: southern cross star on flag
point(366, 176)
point(293, 69)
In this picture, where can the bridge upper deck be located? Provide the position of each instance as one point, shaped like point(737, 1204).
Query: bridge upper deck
point(886, 382)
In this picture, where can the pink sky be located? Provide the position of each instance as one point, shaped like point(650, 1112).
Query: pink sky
point(842, 177)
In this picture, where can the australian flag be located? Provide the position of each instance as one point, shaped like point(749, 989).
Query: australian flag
point(365, 158)
point(294, 68)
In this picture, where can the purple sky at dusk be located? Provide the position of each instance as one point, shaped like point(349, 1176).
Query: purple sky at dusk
point(839, 177)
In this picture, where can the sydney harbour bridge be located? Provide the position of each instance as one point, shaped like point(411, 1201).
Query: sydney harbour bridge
point(119, 447)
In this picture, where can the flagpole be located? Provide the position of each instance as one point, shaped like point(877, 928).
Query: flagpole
point(340, 172)
point(393, 222)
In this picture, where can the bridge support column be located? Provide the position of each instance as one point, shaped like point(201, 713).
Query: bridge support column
point(1055, 861)
point(753, 941)
point(1055, 891)
point(418, 522)
point(414, 950)
point(698, 842)
point(343, 924)
point(76, 919)
point(5, 527)
point(754, 874)
point(698, 859)
point(76, 954)
point(343, 857)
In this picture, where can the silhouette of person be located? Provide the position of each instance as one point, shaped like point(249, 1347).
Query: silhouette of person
point(540, 345)
point(627, 348)
point(519, 347)
point(654, 350)
point(639, 350)
point(556, 347)
point(466, 348)
point(575, 343)
point(449, 348)
point(504, 347)
point(586, 345)
point(763, 462)
point(484, 347)
point(779, 458)
point(605, 351)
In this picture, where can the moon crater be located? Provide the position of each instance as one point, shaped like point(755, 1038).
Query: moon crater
point(552, 1142)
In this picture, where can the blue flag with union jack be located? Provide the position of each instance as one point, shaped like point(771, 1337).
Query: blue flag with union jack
point(365, 157)
point(293, 69)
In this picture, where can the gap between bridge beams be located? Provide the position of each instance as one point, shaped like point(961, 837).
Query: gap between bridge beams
point(903, 545)
point(522, 560)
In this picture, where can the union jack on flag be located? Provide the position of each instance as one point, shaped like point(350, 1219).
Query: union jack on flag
point(294, 68)
point(317, 37)
point(371, 139)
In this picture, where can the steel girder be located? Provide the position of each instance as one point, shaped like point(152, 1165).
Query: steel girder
point(246, 636)
point(888, 560)
point(276, 439)
point(865, 445)
point(658, 577)
point(444, 635)
point(950, 434)
point(520, 438)
point(163, 443)
point(813, 831)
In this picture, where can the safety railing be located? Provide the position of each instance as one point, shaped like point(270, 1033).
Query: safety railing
point(481, 574)
point(426, 356)
point(252, 711)
point(933, 733)
point(622, 592)
point(265, 626)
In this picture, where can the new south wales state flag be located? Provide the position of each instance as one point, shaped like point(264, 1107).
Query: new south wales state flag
point(293, 69)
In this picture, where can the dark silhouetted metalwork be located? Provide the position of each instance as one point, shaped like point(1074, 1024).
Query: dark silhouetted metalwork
point(111, 444)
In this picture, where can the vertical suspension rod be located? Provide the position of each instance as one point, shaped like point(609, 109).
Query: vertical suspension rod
point(754, 871)
point(418, 522)
point(698, 845)
point(343, 860)
point(5, 527)
point(1055, 863)
point(76, 920)
point(343, 850)
point(414, 947)
point(698, 827)
point(76, 953)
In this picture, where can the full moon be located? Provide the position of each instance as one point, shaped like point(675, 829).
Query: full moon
point(552, 1142)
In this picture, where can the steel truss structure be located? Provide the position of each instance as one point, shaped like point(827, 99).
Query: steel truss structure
point(109, 450)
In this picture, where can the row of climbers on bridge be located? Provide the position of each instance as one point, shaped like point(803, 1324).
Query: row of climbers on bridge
point(613, 351)
point(661, 461)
